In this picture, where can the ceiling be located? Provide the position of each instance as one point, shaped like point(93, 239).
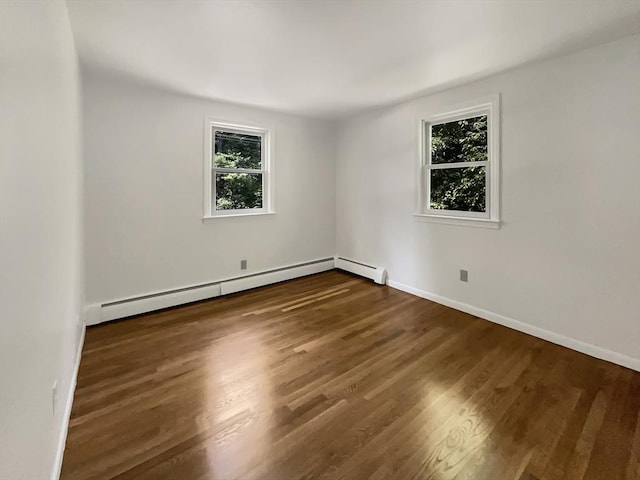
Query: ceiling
point(332, 58)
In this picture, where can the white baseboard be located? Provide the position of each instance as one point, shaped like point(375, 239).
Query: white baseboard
point(126, 308)
point(93, 314)
point(98, 313)
point(279, 275)
point(377, 274)
point(66, 415)
point(587, 348)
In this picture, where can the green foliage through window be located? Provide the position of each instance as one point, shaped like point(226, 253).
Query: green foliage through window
point(237, 190)
point(459, 188)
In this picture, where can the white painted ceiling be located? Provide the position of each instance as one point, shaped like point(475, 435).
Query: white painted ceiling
point(332, 58)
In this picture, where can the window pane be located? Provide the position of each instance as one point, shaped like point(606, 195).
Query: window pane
point(460, 141)
point(237, 150)
point(236, 191)
point(461, 189)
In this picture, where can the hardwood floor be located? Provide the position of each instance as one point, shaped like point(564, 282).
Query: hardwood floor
point(334, 377)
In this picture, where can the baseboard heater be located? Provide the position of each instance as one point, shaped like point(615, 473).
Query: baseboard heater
point(105, 312)
point(377, 274)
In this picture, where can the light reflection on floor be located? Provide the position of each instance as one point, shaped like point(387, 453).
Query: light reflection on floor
point(243, 396)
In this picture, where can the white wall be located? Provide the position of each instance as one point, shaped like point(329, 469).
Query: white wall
point(40, 232)
point(567, 258)
point(144, 152)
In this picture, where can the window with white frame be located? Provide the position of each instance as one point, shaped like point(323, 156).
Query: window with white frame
point(237, 170)
point(459, 164)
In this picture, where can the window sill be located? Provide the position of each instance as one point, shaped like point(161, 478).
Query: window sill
point(462, 221)
point(210, 218)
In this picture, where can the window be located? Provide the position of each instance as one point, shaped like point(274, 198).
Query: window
point(459, 166)
point(236, 170)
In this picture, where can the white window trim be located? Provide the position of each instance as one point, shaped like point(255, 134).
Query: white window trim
point(489, 106)
point(209, 212)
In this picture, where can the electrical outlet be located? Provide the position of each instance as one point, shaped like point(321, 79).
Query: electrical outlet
point(54, 396)
point(243, 264)
point(464, 276)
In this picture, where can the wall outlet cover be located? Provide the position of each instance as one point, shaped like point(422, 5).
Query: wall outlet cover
point(464, 276)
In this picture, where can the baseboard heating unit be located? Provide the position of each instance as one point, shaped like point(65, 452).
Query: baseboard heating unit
point(377, 274)
point(105, 312)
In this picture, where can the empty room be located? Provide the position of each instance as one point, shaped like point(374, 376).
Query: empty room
point(320, 239)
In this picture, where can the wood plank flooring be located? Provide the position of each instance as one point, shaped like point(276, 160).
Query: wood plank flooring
point(334, 377)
